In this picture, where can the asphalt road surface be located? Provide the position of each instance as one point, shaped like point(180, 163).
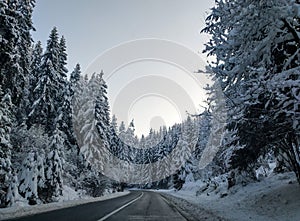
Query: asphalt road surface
point(138, 205)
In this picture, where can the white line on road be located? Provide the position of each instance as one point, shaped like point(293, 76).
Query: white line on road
point(120, 208)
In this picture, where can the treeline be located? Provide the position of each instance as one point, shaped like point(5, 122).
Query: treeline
point(253, 120)
point(39, 152)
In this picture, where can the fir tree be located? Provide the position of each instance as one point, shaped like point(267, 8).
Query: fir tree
point(35, 65)
point(62, 59)
point(54, 167)
point(49, 91)
point(13, 192)
point(86, 124)
point(16, 24)
point(256, 46)
point(28, 179)
point(6, 119)
point(102, 113)
point(75, 82)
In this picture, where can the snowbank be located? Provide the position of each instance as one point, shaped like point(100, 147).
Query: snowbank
point(70, 199)
point(274, 198)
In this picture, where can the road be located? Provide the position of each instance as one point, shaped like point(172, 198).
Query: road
point(138, 205)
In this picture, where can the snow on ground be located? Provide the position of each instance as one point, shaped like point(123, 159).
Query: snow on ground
point(70, 198)
point(276, 197)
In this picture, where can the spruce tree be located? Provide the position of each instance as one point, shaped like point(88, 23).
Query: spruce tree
point(48, 93)
point(16, 24)
point(54, 167)
point(6, 120)
point(102, 113)
point(13, 193)
point(75, 82)
point(35, 65)
point(256, 46)
point(87, 135)
point(28, 179)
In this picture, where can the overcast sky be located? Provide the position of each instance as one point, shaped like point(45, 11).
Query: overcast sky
point(93, 27)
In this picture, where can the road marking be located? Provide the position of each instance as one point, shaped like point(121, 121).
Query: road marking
point(120, 208)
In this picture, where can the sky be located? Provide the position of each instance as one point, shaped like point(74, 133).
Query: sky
point(96, 30)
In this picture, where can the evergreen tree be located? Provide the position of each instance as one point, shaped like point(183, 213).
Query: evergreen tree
point(13, 193)
point(129, 135)
point(28, 179)
point(255, 46)
point(102, 113)
point(54, 167)
point(64, 117)
point(87, 135)
point(25, 7)
point(79, 92)
point(62, 59)
point(6, 119)
point(122, 130)
point(75, 82)
point(35, 64)
point(40, 163)
point(16, 24)
point(50, 87)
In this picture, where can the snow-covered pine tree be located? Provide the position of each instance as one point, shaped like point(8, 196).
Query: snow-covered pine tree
point(256, 44)
point(102, 116)
point(122, 130)
point(28, 179)
point(114, 124)
point(142, 142)
point(64, 118)
point(16, 24)
point(114, 140)
point(131, 142)
point(50, 86)
point(8, 41)
point(102, 113)
point(54, 167)
point(75, 85)
point(86, 124)
point(191, 137)
point(91, 145)
point(129, 134)
point(24, 46)
point(204, 130)
point(67, 124)
point(35, 64)
point(78, 91)
point(62, 59)
point(13, 192)
point(183, 158)
point(40, 163)
point(6, 119)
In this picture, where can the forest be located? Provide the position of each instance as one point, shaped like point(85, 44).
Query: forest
point(57, 130)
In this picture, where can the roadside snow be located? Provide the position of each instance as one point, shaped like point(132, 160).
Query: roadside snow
point(71, 198)
point(274, 198)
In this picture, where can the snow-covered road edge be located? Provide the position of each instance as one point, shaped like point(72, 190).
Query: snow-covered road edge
point(191, 211)
point(15, 212)
point(275, 198)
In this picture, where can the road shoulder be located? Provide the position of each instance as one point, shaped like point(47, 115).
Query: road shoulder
point(189, 211)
